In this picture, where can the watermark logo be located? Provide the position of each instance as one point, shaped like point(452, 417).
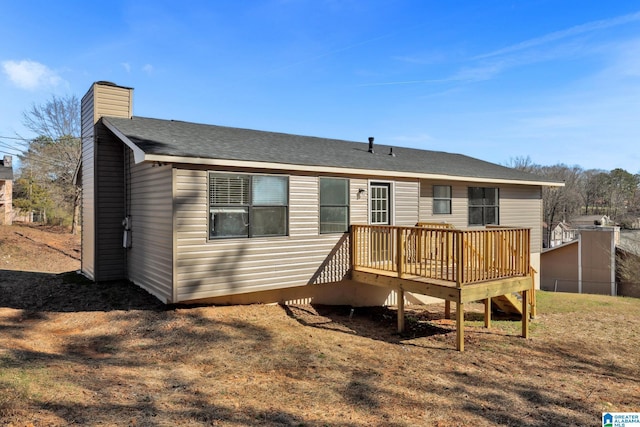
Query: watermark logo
point(621, 419)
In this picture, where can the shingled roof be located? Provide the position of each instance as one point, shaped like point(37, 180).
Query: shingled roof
point(178, 140)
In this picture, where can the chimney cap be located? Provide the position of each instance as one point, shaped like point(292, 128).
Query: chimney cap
point(108, 83)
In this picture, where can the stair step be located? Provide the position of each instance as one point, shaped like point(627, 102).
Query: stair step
point(509, 304)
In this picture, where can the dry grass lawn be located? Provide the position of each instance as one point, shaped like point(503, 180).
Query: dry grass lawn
point(110, 355)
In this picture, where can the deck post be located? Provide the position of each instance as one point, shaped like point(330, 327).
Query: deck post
point(400, 250)
point(487, 313)
point(460, 326)
point(534, 309)
point(400, 310)
point(447, 309)
point(525, 314)
point(459, 259)
point(353, 242)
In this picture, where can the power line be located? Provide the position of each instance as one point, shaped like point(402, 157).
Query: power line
point(37, 158)
point(4, 144)
point(15, 138)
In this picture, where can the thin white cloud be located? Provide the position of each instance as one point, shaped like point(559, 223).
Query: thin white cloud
point(30, 75)
point(625, 59)
point(559, 35)
point(487, 66)
point(126, 66)
point(148, 68)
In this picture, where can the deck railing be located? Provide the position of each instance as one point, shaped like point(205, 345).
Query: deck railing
point(460, 256)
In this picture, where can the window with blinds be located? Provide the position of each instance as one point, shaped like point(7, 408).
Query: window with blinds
point(247, 205)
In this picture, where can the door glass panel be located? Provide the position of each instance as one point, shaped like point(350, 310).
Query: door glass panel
point(380, 203)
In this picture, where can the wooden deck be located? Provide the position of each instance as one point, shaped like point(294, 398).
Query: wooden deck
point(455, 265)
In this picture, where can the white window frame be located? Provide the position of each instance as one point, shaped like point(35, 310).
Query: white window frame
point(249, 206)
point(320, 205)
point(434, 198)
point(392, 198)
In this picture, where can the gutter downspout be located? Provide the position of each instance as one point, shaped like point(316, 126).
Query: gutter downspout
point(613, 263)
point(580, 263)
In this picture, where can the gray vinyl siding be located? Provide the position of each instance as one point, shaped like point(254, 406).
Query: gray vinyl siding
point(358, 207)
point(208, 268)
point(150, 258)
point(304, 216)
point(112, 101)
point(103, 179)
point(459, 203)
point(521, 206)
point(406, 203)
point(88, 189)
point(109, 205)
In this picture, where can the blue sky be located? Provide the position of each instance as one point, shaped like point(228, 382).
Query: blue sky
point(558, 81)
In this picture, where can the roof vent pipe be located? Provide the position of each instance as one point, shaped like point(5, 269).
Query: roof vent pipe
point(391, 153)
point(371, 144)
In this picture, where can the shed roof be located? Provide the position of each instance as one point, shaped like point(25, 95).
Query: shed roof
point(179, 141)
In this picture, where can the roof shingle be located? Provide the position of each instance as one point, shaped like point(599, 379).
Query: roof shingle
point(193, 140)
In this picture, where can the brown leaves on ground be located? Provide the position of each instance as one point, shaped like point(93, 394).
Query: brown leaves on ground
point(110, 354)
point(38, 248)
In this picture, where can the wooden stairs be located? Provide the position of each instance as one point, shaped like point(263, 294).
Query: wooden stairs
point(509, 304)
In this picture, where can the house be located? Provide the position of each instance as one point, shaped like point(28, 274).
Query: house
point(193, 212)
point(6, 189)
point(591, 221)
point(562, 233)
point(584, 265)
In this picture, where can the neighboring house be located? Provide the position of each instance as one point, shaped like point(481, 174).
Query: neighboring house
point(562, 233)
point(6, 190)
point(591, 221)
point(585, 265)
point(194, 212)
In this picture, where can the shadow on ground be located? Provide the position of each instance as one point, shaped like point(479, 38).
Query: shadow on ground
point(379, 323)
point(70, 292)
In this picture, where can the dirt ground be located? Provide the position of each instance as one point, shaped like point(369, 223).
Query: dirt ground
point(77, 353)
point(38, 265)
point(37, 248)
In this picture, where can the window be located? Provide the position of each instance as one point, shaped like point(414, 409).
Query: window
point(483, 206)
point(334, 205)
point(442, 199)
point(247, 205)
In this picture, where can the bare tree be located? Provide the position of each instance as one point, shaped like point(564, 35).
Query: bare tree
point(593, 188)
point(524, 164)
point(622, 189)
point(561, 203)
point(55, 118)
point(52, 157)
point(628, 260)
